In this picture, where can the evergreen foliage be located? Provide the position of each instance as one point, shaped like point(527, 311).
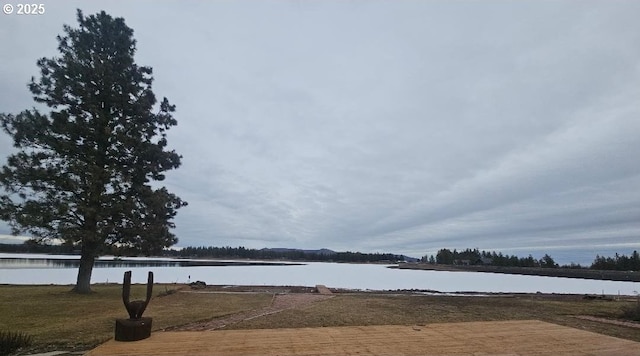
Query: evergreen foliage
point(83, 172)
point(477, 257)
point(547, 262)
point(618, 262)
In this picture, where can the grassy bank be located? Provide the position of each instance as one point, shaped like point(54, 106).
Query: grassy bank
point(58, 319)
point(61, 320)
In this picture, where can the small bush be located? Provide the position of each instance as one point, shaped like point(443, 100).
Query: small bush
point(631, 312)
point(198, 285)
point(10, 341)
point(167, 292)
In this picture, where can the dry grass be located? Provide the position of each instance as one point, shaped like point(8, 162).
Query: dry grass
point(57, 318)
point(350, 310)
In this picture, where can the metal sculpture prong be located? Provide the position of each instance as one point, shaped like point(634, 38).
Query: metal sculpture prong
point(135, 308)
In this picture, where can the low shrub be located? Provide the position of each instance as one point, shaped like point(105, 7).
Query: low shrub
point(631, 312)
point(198, 285)
point(10, 341)
point(167, 292)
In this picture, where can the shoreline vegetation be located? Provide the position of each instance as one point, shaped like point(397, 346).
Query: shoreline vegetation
point(583, 273)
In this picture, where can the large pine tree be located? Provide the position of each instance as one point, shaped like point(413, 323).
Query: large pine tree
point(84, 173)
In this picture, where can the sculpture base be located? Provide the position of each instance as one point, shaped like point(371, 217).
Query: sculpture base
point(133, 330)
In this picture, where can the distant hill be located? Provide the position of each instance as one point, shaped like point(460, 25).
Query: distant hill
point(410, 259)
point(322, 251)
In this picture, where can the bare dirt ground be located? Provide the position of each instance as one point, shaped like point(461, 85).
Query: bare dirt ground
point(521, 337)
point(279, 303)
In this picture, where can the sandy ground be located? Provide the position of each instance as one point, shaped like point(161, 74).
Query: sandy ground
point(522, 337)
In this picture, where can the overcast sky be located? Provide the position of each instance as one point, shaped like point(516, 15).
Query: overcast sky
point(389, 126)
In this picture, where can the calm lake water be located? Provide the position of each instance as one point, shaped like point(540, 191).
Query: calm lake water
point(50, 269)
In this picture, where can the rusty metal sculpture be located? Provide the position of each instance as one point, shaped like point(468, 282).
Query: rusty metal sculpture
point(136, 327)
point(136, 307)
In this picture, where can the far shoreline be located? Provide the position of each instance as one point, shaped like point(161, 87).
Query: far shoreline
point(582, 273)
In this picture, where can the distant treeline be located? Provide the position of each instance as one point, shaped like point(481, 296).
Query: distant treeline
point(30, 246)
point(283, 254)
point(476, 257)
point(444, 256)
point(618, 262)
point(220, 252)
point(33, 247)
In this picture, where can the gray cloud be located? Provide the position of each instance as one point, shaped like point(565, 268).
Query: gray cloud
point(395, 126)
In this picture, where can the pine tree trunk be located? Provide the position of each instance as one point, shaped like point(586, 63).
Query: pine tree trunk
point(83, 283)
point(89, 246)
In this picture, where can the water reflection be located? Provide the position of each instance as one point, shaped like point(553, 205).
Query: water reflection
point(74, 263)
point(116, 262)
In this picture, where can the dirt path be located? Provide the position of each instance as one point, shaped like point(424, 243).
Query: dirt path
point(609, 321)
point(279, 303)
